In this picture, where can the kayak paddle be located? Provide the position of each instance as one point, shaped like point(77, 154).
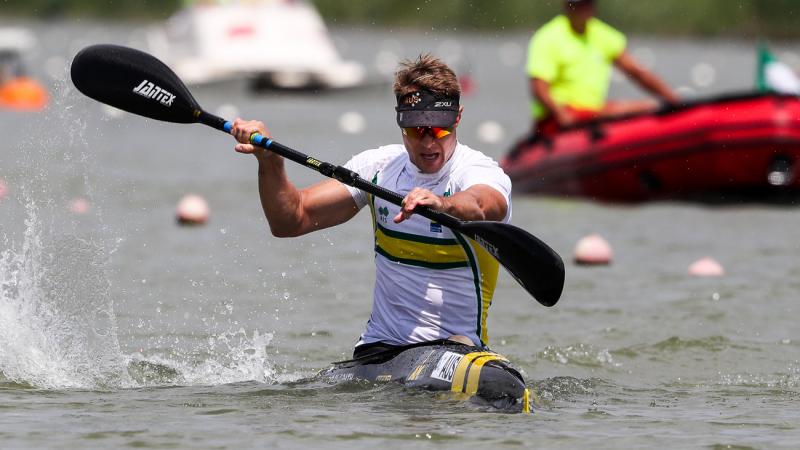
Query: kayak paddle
point(139, 83)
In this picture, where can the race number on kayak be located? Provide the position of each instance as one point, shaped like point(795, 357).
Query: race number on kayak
point(446, 367)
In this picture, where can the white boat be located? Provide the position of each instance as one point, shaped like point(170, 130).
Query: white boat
point(274, 43)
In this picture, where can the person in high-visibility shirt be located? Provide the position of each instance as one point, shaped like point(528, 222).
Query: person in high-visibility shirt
point(569, 64)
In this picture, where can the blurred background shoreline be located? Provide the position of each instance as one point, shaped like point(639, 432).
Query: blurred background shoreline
point(746, 19)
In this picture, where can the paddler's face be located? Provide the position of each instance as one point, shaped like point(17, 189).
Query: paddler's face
point(430, 148)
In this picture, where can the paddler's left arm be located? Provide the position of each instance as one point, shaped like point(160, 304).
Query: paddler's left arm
point(479, 202)
point(646, 78)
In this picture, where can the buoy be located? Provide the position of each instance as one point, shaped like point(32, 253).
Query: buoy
point(491, 132)
point(593, 250)
point(706, 267)
point(192, 210)
point(23, 94)
point(703, 75)
point(3, 190)
point(352, 122)
point(79, 206)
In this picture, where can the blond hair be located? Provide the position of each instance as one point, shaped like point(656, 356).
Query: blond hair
point(426, 72)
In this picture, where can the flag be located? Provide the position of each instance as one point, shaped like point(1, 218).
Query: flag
point(775, 76)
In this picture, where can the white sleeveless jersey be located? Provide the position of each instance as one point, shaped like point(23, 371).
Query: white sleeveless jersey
point(431, 282)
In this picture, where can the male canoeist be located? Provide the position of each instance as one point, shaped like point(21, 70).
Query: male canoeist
point(569, 65)
point(431, 283)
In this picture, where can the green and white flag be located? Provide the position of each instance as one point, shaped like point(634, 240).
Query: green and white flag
point(775, 76)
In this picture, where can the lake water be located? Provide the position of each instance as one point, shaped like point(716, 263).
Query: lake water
point(120, 328)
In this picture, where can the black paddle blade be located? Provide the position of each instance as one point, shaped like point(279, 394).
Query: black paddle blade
point(133, 81)
point(536, 266)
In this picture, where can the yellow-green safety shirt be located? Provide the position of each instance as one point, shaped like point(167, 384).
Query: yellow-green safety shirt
point(577, 67)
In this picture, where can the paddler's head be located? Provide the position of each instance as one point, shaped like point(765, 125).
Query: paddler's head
point(428, 110)
point(579, 12)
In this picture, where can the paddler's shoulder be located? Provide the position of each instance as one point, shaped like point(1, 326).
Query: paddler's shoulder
point(467, 158)
point(380, 156)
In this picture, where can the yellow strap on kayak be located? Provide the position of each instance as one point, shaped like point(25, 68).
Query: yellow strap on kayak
point(461, 371)
point(475, 372)
point(526, 401)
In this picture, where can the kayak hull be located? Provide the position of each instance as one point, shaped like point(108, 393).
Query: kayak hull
point(726, 149)
point(484, 377)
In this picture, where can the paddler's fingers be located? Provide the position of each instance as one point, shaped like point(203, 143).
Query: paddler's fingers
point(406, 209)
point(413, 199)
point(243, 129)
point(245, 148)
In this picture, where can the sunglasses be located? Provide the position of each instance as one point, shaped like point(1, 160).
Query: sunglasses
point(419, 132)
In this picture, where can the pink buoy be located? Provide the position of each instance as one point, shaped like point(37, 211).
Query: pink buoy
point(192, 210)
point(79, 206)
point(3, 190)
point(706, 267)
point(593, 250)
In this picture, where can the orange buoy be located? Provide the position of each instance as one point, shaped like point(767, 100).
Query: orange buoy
point(192, 210)
point(24, 94)
point(706, 267)
point(593, 250)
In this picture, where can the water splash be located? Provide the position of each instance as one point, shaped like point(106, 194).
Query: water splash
point(580, 354)
point(230, 357)
point(57, 324)
point(58, 328)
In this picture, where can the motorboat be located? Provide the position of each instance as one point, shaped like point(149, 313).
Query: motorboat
point(729, 148)
point(270, 43)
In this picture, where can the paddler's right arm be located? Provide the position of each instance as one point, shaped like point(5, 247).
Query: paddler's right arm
point(291, 211)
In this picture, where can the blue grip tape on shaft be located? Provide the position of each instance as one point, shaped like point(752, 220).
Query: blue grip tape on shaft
point(227, 127)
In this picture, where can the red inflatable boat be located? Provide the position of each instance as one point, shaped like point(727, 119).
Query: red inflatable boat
point(725, 149)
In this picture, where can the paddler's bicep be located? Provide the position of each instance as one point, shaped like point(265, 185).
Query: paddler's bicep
point(326, 204)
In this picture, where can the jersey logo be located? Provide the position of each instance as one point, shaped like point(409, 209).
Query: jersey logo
point(383, 213)
point(436, 227)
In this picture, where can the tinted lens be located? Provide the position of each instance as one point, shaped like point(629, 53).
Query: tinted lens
point(418, 132)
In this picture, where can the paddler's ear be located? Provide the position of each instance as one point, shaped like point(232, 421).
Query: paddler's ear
point(458, 118)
